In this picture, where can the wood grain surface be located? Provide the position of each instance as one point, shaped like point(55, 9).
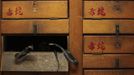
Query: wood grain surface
point(26, 26)
point(108, 61)
point(108, 44)
point(108, 9)
point(34, 9)
point(108, 26)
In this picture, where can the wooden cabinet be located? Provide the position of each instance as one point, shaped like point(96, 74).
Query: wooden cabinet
point(108, 72)
point(103, 43)
point(34, 26)
point(108, 26)
point(35, 9)
point(108, 9)
point(108, 44)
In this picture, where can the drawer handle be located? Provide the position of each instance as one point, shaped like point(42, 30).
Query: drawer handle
point(35, 28)
point(34, 6)
point(117, 31)
point(117, 63)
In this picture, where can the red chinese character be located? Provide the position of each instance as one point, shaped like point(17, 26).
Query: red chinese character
point(92, 12)
point(101, 11)
point(10, 12)
point(18, 11)
point(100, 45)
point(91, 46)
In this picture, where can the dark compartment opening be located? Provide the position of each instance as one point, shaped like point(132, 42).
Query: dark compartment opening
point(40, 43)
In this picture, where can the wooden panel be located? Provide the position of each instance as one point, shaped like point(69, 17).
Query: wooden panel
point(108, 72)
point(108, 9)
point(107, 44)
point(53, 26)
point(108, 61)
point(26, 26)
point(16, 26)
point(35, 9)
point(75, 35)
point(107, 26)
point(0, 37)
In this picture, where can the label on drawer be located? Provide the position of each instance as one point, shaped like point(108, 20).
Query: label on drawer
point(108, 9)
point(35, 9)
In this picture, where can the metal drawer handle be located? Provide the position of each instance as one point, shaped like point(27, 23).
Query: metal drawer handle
point(35, 28)
point(117, 63)
point(117, 31)
point(34, 6)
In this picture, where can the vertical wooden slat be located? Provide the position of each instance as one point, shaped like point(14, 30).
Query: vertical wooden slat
point(0, 37)
point(75, 35)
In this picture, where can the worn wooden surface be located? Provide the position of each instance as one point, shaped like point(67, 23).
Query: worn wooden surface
point(108, 72)
point(108, 44)
point(35, 9)
point(108, 61)
point(35, 61)
point(107, 26)
point(75, 35)
point(26, 26)
point(108, 9)
point(34, 73)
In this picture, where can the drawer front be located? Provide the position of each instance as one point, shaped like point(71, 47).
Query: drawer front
point(108, 72)
point(108, 61)
point(35, 9)
point(53, 26)
point(16, 26)
point(108, 26)
point(109, 44)
point(108, 9)
point(31, 26)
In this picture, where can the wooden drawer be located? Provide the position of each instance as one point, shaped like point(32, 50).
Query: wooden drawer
point(35, 9)
point(108, 44)
point(108, 26)
point(108, 61)
point(108, 9)
point(34, 26)
point(108, 72)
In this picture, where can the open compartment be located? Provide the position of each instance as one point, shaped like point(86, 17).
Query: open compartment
point(40, 43)
point(41, 59)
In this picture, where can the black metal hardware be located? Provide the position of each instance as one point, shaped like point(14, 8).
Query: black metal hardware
point(67, 54)
point(117, 63)
point(117, 31)
point(35, 28)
